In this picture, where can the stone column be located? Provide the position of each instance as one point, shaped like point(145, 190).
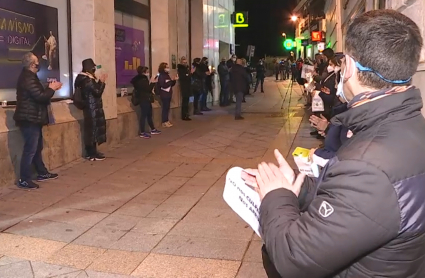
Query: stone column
point(197, 28)
point(93, 36)
point(160, 33)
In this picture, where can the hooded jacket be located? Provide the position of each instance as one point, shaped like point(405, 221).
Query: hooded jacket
point(94, 116)
point(367, 216)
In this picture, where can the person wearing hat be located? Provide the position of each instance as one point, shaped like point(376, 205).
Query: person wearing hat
point(92, 89)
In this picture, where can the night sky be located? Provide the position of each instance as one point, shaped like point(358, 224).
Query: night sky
point(268, 19)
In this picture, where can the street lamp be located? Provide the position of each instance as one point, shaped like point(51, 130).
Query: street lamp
point(284, 35)
point(294, 18)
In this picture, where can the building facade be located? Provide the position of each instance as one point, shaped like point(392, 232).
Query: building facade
point(337, 15)
point(119, 35)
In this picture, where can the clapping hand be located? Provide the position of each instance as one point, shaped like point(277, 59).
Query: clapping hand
point(320, 123)
point(55, 85)
point(250, 176)
point(103, 78)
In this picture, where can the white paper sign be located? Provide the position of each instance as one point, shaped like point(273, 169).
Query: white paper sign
point(242, 198)
point(123, 91)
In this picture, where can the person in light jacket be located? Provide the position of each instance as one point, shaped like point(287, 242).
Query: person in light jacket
point(165, 86)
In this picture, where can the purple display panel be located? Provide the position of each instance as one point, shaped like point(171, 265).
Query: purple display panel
point(129, 53)
point(26, 26)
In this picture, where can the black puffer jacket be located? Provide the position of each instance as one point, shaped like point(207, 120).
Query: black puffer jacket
point(32, 100)
point(368, 216)
point(94, 116)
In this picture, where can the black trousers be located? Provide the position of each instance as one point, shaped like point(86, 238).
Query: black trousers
point(268, 265)
point(91, 150)
point(185, 107)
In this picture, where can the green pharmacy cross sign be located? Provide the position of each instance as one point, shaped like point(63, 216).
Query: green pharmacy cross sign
point(288, 44)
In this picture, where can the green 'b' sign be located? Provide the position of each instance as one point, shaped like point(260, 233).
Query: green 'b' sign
point(240, 19)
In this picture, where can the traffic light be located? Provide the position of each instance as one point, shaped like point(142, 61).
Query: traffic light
point(288, 44)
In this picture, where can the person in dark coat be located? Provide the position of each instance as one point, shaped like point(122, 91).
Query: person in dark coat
point(31, 114)
point(165, 86)
point(143, 90)
point(224, 75)
point(239, 82)
point(92, 90)
point(204, 67)
point(185, 76)
point(261, 74)
point(229, 65)
point(365, 214)
point(198, 77)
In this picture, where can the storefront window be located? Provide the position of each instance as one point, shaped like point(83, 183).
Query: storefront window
point(33, 25)
point(131, 47)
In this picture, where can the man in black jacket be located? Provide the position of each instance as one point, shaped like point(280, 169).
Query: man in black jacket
point(365, 216)
point(185, 76)
point(229, 65)
point(261, 74)
point(223, 73)
point(239, 82)
point(31, 114)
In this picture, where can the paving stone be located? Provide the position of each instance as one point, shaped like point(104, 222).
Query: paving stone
point(97, 274)
point(169, 211)
point(5, 260)
point(69, 275)
point(71, 216)
point(222, 223)
point(77, 256)
point(251, 270)
point(137, 242)
point(178, 267)
point(154, 225)
point(43, 270)
point(150, 198)
point(91, 204)
point(15, 270)
point(167, 185)
point(136, 209)
point(31, 197)
point(182, 200)
point(118, 262)
point(211, 248)
point(28, 248)
point(20, 209)
point(254, 252)
point(186, 170)
point(7, 221)
point(45, 229)
point(118, 222)
point(100, 237)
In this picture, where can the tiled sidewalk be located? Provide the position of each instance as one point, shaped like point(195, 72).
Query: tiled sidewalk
point(154, 208)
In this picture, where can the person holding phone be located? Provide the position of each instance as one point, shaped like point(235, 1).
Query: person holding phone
point(31, 114)
point(92, 89)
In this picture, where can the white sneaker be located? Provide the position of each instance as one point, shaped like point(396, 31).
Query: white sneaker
point(44, 57)
point(165, 124)
point(169, 124)
point(49, 68)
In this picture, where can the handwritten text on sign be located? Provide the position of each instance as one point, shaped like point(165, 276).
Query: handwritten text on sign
point(242, 199)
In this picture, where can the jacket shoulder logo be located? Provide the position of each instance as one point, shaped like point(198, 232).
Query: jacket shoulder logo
point(325, 209)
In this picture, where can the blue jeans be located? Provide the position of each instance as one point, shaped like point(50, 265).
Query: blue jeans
point(166, 104)
point(238, 109)
point(33, 145)
point(146, 114)
point(204, 95)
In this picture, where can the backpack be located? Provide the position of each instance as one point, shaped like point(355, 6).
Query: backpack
point(77, 98)
point(135, 100)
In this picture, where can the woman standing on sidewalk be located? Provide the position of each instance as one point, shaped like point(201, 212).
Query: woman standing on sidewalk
point(94, 117)
point(165, 86)
point(144, 95)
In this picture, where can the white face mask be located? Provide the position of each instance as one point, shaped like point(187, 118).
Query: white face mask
point(337, 69)
point(167, 70)
point(340, 88)
point(330, 68)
